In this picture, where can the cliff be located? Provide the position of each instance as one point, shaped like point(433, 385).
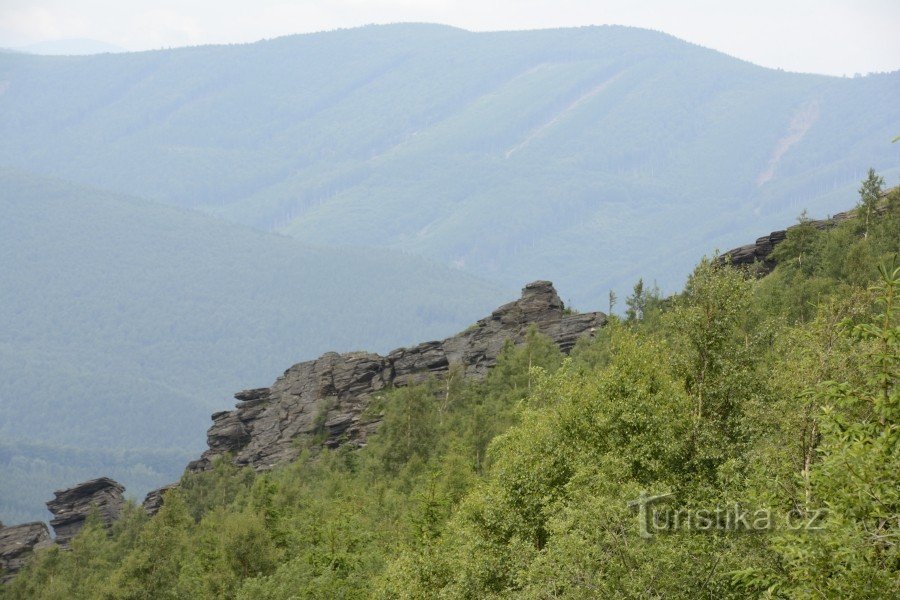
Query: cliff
point(326, 397)
point(758, 255)
point(329, 396)
point(71, 508)
point(17, 544)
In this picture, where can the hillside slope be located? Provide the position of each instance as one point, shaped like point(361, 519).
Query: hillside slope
point(558, 154)
point(580, 478)
point(126, 322)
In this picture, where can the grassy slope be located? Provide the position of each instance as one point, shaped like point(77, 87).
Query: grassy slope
point(126, 323)
point(587, 156)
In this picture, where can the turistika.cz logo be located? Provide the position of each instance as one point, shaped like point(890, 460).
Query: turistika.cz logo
point(654, 516)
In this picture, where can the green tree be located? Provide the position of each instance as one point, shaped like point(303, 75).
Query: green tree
point(798, 245)
point(408, 426)
point(857, 552)
point(869, 197)
point(636, 302)
point(714, 353)
point(154, 568)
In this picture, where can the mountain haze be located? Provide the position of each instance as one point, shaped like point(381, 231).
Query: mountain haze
point(70, 47)
point(588, 156)
point(127, 322)
point(180, 224)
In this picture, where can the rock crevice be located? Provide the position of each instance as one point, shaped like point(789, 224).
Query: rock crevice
point(71, 508)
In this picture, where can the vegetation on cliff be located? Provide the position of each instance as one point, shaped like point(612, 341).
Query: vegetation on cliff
point(736, 395)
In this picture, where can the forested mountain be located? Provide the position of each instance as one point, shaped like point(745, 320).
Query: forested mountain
point(585, 156)
point(126, 322)
point(762, 415)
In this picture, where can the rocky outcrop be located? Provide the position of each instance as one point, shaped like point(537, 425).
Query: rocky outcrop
point(17, 544)
point(328, 396)
point(325, 397)
point(758, 255)
point(153, 501)
point(70, 509)
point(72, 506)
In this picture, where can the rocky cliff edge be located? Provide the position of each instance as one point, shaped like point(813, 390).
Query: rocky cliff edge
point(329, 396)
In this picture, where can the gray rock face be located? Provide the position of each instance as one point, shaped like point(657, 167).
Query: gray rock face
point(758, 254)
point(153, 501)
point(328, 396)
point(72, 506)
point(17, 544)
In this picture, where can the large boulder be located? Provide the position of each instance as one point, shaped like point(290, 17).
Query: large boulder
point(72, 506)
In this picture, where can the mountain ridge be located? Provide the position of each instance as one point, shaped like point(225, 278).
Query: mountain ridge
point(511, 154)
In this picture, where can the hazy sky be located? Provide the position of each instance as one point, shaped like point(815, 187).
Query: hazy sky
point(823, 36)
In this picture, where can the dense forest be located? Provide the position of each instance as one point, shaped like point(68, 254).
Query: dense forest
point(554, 154)
point(738, 396)
point(180, 224)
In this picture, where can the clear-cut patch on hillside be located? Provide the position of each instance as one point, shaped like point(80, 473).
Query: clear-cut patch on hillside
point(572, 106)
point(802, 120)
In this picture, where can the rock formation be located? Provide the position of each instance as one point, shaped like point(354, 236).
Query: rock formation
point(758, 254)
point(328, 396)
point(17, 543)
point(153, 501)
point(72, 506)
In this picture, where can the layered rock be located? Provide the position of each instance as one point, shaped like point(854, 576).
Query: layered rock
point(153, 501)
point(18, 543)
point(71, 506)
point(758, 255)
point(328, 396)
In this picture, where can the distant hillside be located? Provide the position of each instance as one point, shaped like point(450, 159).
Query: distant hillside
point(587, 156)
point(126, 322)
point(70, 47)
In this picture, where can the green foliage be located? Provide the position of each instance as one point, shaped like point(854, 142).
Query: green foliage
point(408, 428)
point(714, 352)
point(854, 476)
point(798, 244)
point(815, 264)
point(216, 488)
point(869, 197)
point(519, 486)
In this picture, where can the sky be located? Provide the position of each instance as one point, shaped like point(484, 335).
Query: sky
point(835, 37)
